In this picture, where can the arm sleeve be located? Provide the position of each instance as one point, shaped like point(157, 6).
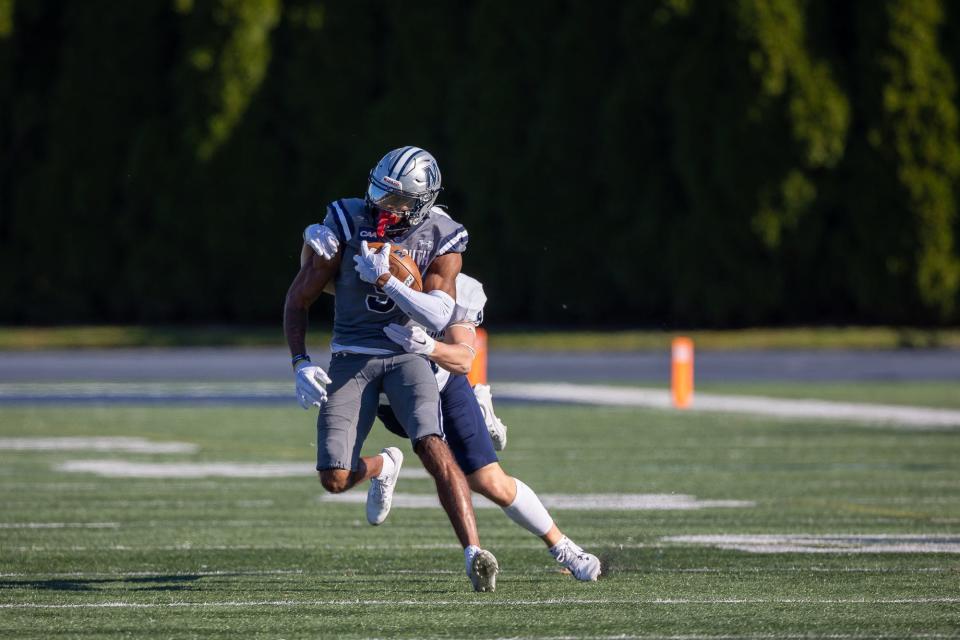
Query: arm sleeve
point(433, 310)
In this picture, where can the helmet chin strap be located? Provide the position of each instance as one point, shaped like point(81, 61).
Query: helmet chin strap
point(384, 220)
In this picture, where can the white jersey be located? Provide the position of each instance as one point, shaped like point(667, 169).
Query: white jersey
point(469, 310)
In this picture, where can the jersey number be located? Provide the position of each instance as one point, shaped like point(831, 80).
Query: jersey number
point(380, 304)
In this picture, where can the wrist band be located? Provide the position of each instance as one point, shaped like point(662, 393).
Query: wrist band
point(297, 358)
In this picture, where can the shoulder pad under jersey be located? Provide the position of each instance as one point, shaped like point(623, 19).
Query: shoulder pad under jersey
point(453, 235)
point(470, 300)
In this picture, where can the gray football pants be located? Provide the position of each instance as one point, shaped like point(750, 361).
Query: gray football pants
point(346, 417)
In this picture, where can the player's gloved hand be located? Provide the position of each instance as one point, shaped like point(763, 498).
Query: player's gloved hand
point(322, 240)
point(412, 339)
point(498, 430)
point(310, 381)
point(372, 265)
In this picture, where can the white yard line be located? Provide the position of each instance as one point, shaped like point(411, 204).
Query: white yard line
point(132, 469)
point(128, 469)
point(136, 390)
point(825, 543)
point(754, 405)
point(560, 501)
point(59, 525)
point(480, 603)
point(96, 443)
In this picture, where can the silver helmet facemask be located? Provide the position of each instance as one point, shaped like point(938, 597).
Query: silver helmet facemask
point(402, 188)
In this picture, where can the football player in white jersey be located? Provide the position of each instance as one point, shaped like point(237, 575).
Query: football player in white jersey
point(470, 424)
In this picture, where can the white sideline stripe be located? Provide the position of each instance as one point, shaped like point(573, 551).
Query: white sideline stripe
point(121, 390)
point(477, 603)
point(905, 416)
point(825, 543)
point(561, 501)
point(129, 469)
point(755, 405)
point(96, 443)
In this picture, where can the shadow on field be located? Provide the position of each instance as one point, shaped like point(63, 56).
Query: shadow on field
point(161, 583)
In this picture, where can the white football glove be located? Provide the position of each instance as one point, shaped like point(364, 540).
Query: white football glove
point(310, 381)
point(412, 339)
point(372, 265)
point(498, 430)
point(322, 240)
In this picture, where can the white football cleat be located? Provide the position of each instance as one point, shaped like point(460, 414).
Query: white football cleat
point(498, 430)
point(582, 565)
point(483, 570)
point(380, 493)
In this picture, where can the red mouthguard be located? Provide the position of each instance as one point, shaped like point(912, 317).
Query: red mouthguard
point(385, 219)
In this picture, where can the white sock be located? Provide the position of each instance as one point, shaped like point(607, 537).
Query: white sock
point(528, 512)
point(388, 467)
point(468, 553)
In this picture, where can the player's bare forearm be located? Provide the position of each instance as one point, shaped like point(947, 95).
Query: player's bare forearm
point(456, 353)
point(295, 329)
point(304, 290)
point(442, 274)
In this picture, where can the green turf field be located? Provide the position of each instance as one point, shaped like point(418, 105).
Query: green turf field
point(89, 556)
point(945, 394)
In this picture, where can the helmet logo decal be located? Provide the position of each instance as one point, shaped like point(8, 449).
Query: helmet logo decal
point(433, 176)
point(393, 182)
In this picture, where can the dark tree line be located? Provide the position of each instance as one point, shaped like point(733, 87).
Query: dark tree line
point(658, 162)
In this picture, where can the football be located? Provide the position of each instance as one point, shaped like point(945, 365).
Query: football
point(402, 266)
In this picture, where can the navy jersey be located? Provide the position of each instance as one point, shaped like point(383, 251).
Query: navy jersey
point(362, 310)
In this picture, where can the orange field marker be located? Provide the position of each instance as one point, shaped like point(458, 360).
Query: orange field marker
point(478, 372)
point(681, 372)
